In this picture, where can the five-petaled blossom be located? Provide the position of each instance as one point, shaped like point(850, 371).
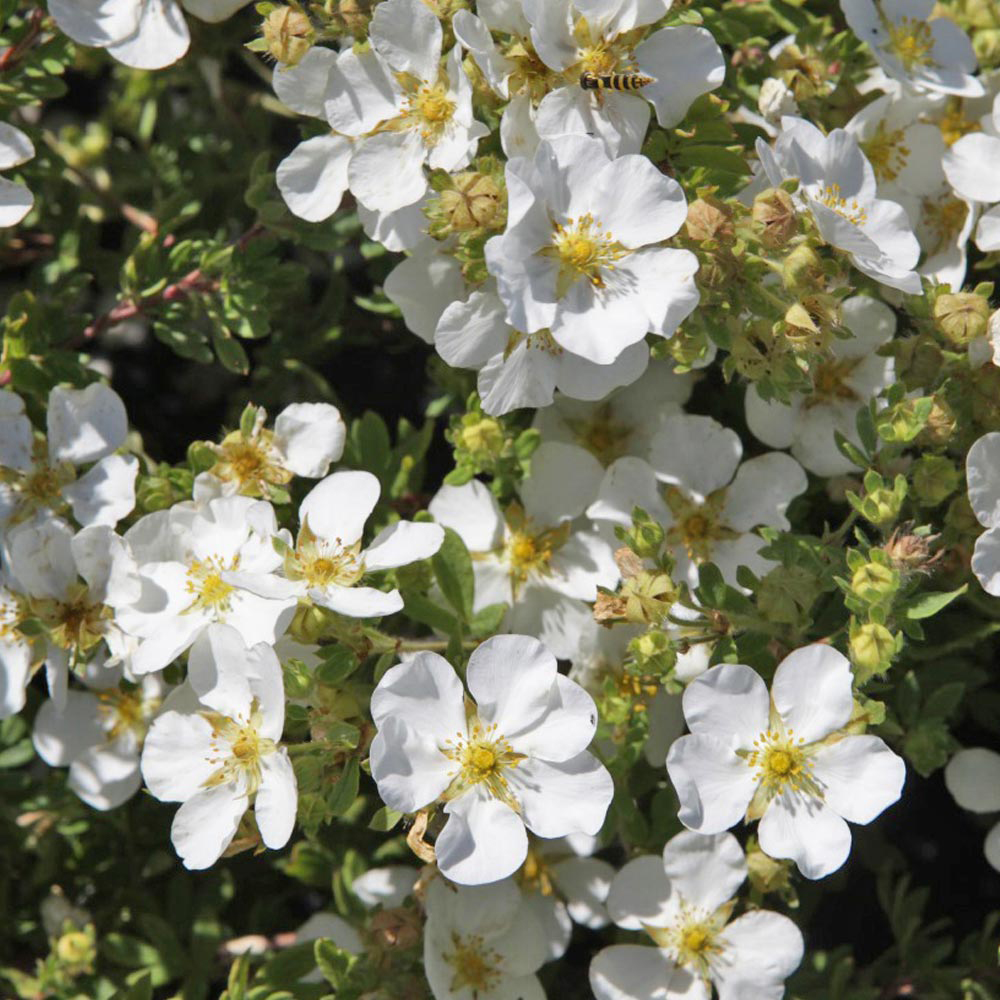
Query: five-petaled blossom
point(578, 256)
point(784, 759)
point(837, 187)
point(482, 943)
point(684, 901)
point(512, 757)
point(214, 748)
point(328, 561)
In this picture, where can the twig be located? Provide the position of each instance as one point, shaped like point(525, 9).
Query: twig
point(10, 57)
point(192, 283)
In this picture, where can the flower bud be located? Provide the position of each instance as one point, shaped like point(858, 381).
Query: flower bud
point(941, 424)
point(934, 479)
point(802, 269)
point(962, 317)
point(75, 951)
point(481, 435)
point(655, 653)
point(871, 648)
point(875, 583)
point(472, 201)
point(289, 34)
point(774, 211)
point(767, 874)
point(356, 15)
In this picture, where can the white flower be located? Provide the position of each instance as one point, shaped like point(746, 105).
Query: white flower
point(854, 375)
point(684, 902)
point(306, 438)
point(16, 654)
point(906, 154)
point(516, 758)
point(15, 199)
point(215, 749)
point(783, 759)
point(599, 36)
point(143, 34)
point(973, 778)
point(328, 561)
point(982, 472)
point(708, 502)
point(624, 423)
point(183, 554)
point(577, 258)
point(524, 369)
point(84, 426)
point(538, 556)
point(932, 55)
point(482, 943)
point(98, 735)
point(74, 585)
point(837, 187)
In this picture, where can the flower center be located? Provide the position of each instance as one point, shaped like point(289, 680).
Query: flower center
point(782, 763)
point(693, 939)
point(125, 712)
point(481, 758)
point(697, 526)
point(829, 382)
point(536, 873)
point(954, 124)
point(583, 251)
point(477, 968)
point(943, 219)
point(831, 197)
point(602, 435)
point(209, 591)
point(431, 109)
point(528, 553)
point(237, 748)
point(911, 42)
point(887, 152)
point(322, 564)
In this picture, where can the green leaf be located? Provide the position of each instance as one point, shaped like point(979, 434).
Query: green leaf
point(925, 605)
point(425, 611)
point(943, 701)
point(385, 820)
point(453, 572)
point(333, 962)
point(342, 795)
point(486, 621)
point(230, 352)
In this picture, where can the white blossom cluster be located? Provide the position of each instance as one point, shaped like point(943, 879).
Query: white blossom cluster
point(162, 637)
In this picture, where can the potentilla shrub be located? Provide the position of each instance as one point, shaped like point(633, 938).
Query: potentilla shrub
point(499, 500)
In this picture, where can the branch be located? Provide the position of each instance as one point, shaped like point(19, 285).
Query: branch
point(10, 57)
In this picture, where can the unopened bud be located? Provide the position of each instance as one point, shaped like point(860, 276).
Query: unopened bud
point(774, 211)
point(802, 269)
point(289, 35)
point(767, 874)
point(874, 583)
point(482, 435)
point(872, 647)
point(941, 424)
point(962, 317)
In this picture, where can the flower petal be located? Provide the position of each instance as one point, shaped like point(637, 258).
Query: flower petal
point(860, 776)
point(403, 543)
point(697, 453)
point(357, 602)
point(406, 764)
point(483, 841)
point(85, 424)
point(104, 778)
point(310, 436)
point(714, 785)
point(728, 702)
point(982, 470)
point(206, 824)
point(812, 692)
point(175, 763)
point(338, 506)
point(277, 799)
point(807, 832)
point(641, 894)
point(706, 871)
point(640, 972)
point(312, 179)
point(763, 949)
point(973, 778)
point(559, 798)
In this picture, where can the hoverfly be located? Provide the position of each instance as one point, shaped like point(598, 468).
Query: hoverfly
point(615, 81)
